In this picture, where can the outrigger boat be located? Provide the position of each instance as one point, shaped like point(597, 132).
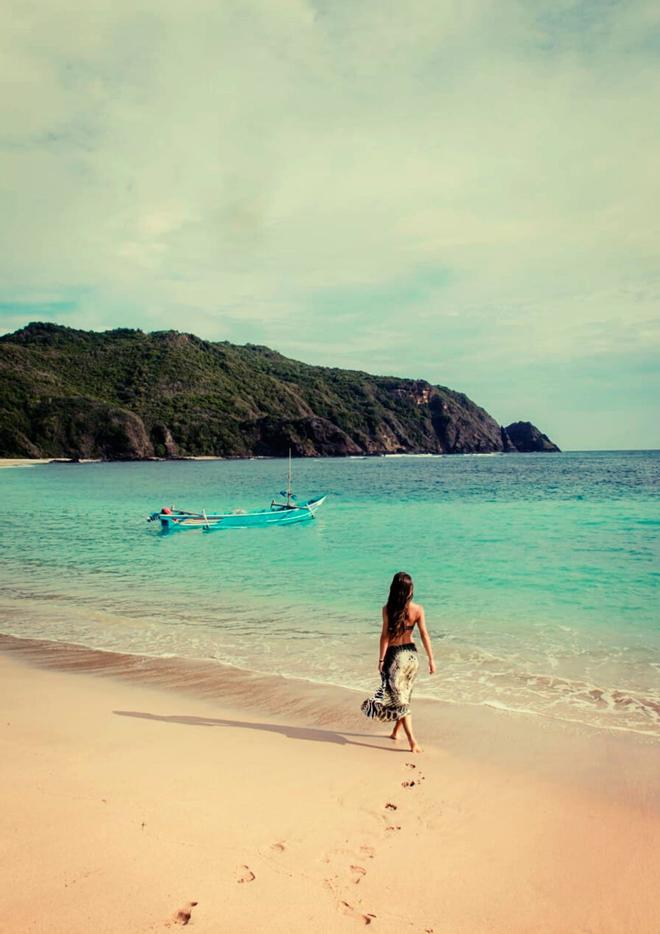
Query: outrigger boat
point(279, 513)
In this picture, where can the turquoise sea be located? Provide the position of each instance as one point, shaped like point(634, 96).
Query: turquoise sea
point(539, 573)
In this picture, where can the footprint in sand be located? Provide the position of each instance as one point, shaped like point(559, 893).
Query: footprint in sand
point(367, 851)
point(419, 776)
point(182, 916)
point(390, 807)
point(358, 915)
point(358, 873)
point(246, 875)
point(393, 827)
point(408, 784)
point(278, 847)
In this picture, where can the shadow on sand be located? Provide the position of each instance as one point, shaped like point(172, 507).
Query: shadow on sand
point(292, 732)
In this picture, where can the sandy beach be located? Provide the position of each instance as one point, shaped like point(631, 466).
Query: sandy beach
point(23, 461)
point(6, 462)
point(133, 786)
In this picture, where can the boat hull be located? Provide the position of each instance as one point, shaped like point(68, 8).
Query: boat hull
point(303, 512)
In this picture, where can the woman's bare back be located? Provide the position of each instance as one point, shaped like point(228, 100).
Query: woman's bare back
point(413, 616)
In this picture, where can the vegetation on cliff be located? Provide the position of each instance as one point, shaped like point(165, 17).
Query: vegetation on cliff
point(125, 394)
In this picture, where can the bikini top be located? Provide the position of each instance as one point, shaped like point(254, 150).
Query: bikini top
point(406, 629)
point(409, 628)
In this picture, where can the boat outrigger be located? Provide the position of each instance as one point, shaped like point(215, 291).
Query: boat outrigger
point(279, 513)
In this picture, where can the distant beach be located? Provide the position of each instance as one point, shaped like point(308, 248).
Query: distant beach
point(22, 461)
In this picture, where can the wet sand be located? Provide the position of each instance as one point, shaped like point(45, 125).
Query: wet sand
point(133, 786)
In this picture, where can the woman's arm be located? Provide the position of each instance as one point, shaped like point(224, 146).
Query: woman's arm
point(426, 641)
point(384, 641)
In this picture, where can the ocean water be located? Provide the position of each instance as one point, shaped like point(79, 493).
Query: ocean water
point(539, 573)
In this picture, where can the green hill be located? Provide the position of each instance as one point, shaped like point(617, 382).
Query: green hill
point(125, 394)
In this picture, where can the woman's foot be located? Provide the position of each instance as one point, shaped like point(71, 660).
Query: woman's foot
point(394, 735)
point(414, 747)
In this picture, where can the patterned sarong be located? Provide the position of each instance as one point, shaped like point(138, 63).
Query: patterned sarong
point(392, 699)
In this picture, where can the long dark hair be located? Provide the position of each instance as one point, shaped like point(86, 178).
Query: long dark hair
point(401, 591)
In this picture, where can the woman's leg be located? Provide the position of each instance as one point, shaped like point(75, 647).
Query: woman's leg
point(407, 725)
point(393, 734)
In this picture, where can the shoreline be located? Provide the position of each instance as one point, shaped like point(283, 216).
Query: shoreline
point(133, 786)
point(559, 750)
point(563, 720)
point(6, 462)
point(9, 462)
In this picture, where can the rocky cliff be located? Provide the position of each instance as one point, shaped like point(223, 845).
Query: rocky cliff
point(526, 437)
point(124, 394)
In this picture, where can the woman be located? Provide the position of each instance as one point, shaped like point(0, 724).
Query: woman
point(397, 660)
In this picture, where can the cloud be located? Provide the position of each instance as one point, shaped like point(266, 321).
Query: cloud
point(426, 184)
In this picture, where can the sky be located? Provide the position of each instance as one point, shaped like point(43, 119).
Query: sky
point(466, 192)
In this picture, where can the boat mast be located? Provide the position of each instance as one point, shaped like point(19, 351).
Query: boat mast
point(288, 485)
